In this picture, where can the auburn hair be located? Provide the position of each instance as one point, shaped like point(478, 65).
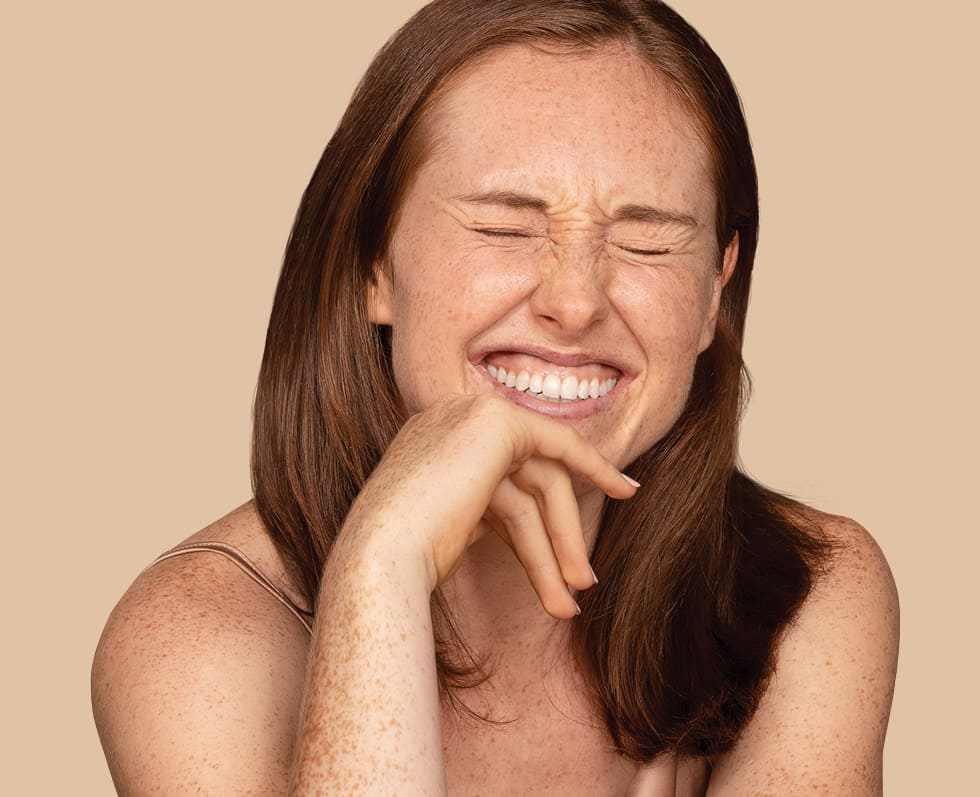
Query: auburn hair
point(700, 572)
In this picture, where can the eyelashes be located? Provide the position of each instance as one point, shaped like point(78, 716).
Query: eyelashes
point(642, 252)
point(497, 232)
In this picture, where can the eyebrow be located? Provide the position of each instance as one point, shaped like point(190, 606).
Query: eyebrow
point(655, 215)
point(631, 212)
point(510, 199)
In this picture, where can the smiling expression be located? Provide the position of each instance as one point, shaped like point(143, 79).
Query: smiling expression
point(557, 246)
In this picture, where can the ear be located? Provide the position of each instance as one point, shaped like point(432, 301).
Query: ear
point(379, 299)
point(729, 259)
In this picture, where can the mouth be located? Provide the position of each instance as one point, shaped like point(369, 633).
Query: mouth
point(566, 385)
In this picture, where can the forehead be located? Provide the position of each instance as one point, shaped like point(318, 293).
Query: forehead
point(599, 121)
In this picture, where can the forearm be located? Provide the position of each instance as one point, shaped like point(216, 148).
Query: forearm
point(371, 719)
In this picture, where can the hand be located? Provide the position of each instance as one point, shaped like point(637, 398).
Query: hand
point(469, 463)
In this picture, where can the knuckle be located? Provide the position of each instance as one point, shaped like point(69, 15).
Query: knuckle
point(516, 518)
point(536, 568)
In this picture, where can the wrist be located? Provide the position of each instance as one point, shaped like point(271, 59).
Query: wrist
point(366, 552)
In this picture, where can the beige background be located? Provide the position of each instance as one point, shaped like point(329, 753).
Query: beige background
point(153, 156)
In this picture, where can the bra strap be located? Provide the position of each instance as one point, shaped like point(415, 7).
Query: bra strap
point(246, 566)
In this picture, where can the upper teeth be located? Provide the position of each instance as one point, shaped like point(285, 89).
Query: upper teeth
point(551, 385)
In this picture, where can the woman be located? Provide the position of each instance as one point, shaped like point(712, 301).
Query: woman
point(499, 543)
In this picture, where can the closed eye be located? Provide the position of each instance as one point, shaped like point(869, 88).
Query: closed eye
point(633, 250)
point(497, 233)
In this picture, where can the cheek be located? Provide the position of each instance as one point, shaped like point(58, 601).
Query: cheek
point(436, 309)
point(417, 328)
point(667, 310)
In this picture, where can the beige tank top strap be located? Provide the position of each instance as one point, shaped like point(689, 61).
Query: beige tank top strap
point(244, 564)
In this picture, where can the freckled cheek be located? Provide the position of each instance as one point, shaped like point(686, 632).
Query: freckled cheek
point(433, 318)
point(428, 295)
point(668, 316)
point(474, 284)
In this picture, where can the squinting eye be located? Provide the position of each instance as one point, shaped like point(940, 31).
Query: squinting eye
point(649, 252)
point(503, 233)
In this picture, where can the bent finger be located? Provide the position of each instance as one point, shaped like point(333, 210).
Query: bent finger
point(553, 440)
point(519, 515)
point(550, 484)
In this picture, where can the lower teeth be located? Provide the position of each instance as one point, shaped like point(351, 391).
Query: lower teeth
point(556, 399)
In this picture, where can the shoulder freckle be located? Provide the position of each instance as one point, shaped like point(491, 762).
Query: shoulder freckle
point(190, 638)
point(858, 558)
point(823, 717)
point(855, 594)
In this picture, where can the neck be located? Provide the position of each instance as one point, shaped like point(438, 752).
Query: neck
point(497, 611)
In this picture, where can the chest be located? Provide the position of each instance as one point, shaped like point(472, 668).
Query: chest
point(545, 741)
point(540, 750)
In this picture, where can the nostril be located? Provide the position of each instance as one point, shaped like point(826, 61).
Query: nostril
point(570, 310)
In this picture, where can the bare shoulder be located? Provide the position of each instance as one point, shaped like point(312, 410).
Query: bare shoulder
point(198, 675)
point(857, 581)
point(820, 727)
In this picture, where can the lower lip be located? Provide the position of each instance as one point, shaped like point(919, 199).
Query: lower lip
point(563, 410)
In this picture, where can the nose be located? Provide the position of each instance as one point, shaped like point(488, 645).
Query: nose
point(571, 295)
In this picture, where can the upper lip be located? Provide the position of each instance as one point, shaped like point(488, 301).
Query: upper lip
point(567, 358)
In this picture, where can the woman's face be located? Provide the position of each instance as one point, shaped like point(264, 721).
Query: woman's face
point(557, 247)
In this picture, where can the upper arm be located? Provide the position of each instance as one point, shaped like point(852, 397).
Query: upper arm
point(820, 726)
point(196, 683)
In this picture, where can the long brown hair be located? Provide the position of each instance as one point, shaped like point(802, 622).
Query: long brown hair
point(698, 573)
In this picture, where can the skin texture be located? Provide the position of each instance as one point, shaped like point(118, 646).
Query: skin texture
point(204, 683)
point(465, 277)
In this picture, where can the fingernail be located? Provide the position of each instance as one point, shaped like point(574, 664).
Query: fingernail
point(595, 578)
point(578, 609)
point(632, 482)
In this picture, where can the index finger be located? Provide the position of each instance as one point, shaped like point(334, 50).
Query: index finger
point(554, 440)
